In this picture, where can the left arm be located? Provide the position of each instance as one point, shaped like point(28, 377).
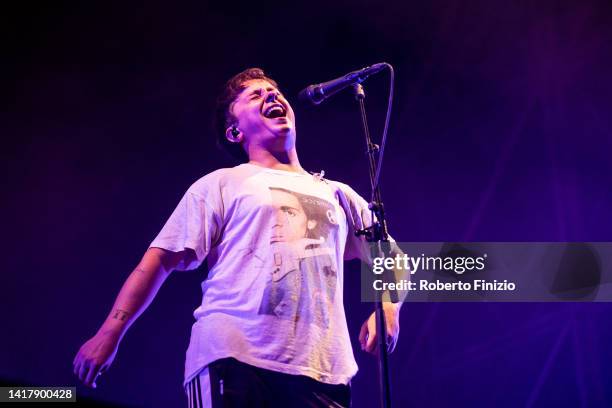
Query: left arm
point(358, 217)
point(368, 337)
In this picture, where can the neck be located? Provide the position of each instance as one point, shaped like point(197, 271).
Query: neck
point(283, 160)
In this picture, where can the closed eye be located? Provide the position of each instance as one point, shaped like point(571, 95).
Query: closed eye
point(289, 211)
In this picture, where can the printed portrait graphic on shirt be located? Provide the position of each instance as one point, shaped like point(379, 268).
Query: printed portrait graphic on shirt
point(302, 280)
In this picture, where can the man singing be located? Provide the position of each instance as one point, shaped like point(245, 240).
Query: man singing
point(271, 329)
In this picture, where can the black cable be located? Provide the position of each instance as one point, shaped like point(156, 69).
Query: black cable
point(383, 142)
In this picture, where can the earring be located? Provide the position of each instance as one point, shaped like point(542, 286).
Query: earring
point(235, 132)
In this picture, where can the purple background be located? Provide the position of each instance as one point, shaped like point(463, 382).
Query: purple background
point(500, 132)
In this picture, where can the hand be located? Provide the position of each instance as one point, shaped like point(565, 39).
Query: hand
point(95, 357)
point(367, 336)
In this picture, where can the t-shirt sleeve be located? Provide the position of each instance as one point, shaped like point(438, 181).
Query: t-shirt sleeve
point(358, 216)
point(194, 224)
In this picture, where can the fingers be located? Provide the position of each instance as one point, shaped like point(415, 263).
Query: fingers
point(372, 335)
point(392, 335)
point(83, 371)
point(373, 348)
point(371, 343)
point(363, 335)
point(92, 376)
point(369, 340)
point(391, 343)
point(367, 336)
point(86, 372)
point(75, 365)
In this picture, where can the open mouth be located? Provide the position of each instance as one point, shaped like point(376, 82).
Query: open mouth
point(275, 111)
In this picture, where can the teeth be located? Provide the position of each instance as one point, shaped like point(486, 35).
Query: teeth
point(275, 108)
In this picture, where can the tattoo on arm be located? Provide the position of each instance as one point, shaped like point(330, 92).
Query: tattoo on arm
point(120, 314)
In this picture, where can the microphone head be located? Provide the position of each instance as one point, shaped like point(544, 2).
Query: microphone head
point(311, 94)
point(378, 67)
point(316, 94)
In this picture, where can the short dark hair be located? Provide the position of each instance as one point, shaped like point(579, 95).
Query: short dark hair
point(223, 115)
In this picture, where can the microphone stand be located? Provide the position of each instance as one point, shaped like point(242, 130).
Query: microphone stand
point(377, 233)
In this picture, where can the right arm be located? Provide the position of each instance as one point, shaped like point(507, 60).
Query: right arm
point(139, 289)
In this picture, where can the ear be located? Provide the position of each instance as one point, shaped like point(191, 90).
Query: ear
point(311, 224)
point(233, 134)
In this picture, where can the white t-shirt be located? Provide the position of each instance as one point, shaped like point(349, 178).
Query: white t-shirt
point(274, 242)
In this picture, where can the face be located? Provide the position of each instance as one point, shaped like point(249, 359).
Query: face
point(265, 118)
point(290, 222)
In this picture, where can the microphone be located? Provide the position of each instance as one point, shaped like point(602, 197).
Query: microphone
point(319, 92)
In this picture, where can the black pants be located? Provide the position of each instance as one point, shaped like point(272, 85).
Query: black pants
point(236, 384)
